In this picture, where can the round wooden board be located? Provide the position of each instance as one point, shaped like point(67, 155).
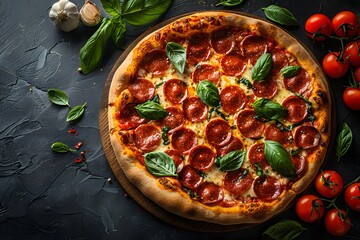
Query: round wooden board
point(131, 190)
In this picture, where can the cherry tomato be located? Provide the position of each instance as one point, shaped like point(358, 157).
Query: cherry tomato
point(335, 224)
point(309, 208)
point(347, 20)
point(318, 23)
point(329, 183)
point(334, 68)
point(352, 196)
point(351, 53)
point(351, 97)
point(357, 74)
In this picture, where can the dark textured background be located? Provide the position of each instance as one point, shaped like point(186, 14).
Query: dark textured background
point(45, 195)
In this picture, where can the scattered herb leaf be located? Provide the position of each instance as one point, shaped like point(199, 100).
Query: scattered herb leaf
point(232, 161)
point(151, 110)
point(284, 230)
point(229, 3)
point(262, 67)
point(280, 15)
point(76, 113)
point(208, 93)
point(58, 97)
point(60, 147)
point(290, 71)
point(343, 140)
point(269, 109)
point(164, 136)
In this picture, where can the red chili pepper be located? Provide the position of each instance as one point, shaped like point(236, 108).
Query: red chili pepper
point(73, 132)
point(78, 160)
point(82, 154)
point(78, 145)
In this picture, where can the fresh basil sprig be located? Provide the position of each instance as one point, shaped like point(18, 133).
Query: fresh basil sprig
point(160, 164)
point(284, 230)
point(343, 140)
point(177, 55)
point(76, 113)
point(279, 159)
point(246, 82)
point(151, 110)
point(142, 12)
point(135, 12)
point(229, 3)
point(262, 67)
point(280, 15)
point(208, 93)
point(231, 161)
point(290, 71)
point(58, 97)
point(60, 147)
point(269, 109)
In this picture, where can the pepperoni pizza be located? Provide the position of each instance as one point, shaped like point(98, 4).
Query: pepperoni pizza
point(220, 117)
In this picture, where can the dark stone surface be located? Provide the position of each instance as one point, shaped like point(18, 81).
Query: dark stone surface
point(45, 195)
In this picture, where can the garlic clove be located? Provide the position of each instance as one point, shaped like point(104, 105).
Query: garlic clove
point(90, 14)
point(65, 15)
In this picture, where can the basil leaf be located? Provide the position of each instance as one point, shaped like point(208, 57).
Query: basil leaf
point(164, 136)
point(232, 161)
point(60, 147)
point(112, 7)
point(151, 110)
point(284, 230)
point(229, 3)
point(343, 140)
point(76, 113)
point(269, 109)
point(262, 67)
point(160, 164)
point(259, 170)
point(177, 55)
point(142, 12)
point(208, 93)
point(279, 159)
point(91, 53)
point(280, 15)
point(246, 82)
point(290, 71)
point(58, 97)
point(118, 32)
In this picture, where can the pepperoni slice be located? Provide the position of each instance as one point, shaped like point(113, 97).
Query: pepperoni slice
point(307, 137)
point(256, 155)
point(234, 144)
point(284, 137)
point(218, 132)
point(210, 193)
point(300, 83)
point(253, 47)
point(177, 157)
point(279, 60)
point(198, 49)
point(297, 109)
point(183, 139)
point(237, 182)
point(147, 137)
point(202, 158)
point(156, 62)
point(299, 163)
point(267, 188)
point(267, 88)
point(232, 99)
point(206, 72)
point(233, 64)
point(174, 119)
point(142, 89)
point(129, 118)
point(223, 41)
point(249, 125)
point(194, 109)
point(189, 178)
point(175, 90)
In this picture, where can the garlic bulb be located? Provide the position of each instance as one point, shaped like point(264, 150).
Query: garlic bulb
point(65, 15)
point(90, 14)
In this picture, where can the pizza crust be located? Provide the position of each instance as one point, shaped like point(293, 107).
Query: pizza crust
point(165, 191)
